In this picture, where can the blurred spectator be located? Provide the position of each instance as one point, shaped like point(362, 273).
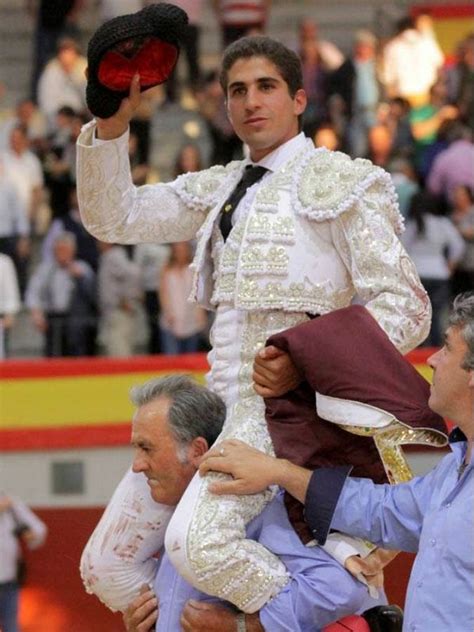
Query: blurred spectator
point(23, 169)
point(59, 161)
point(28, 116)
point(326, 136)
point(431, 151)
point(356, 83)
point(61, 297)
point(453, 166)
point(426, 119)
point(140, 124)
point(237, 19)
point(315, 79)
point(18, 526)
point(181, 322)
point(190, 47)
point(63, 81)
point(151, 258)
point(53, 20)
point(465, 93)
point(460, 80)
point(463, 218)
point(410, 64)
point(226, 146)
point(398, 121)
point(109, 9)
point(405, 182)
point(139, 167)
point(380, 145)
point(86, 245)
point(330, 56)
point(188, 159)
point(436, 247)
point(119, 298)
point(14, 226)
point(9, 301)
point(424, 26)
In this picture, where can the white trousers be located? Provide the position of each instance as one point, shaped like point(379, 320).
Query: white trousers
point(206, 538)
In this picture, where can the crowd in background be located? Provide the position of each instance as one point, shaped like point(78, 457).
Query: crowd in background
point(399, 103)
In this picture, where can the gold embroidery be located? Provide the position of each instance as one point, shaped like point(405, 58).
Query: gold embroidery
point(389, 441)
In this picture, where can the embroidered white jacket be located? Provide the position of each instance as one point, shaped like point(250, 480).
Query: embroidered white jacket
point(319, 231)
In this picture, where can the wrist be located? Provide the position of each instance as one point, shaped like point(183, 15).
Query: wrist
point(293, 478)
point(109, 131)
point(282, 472)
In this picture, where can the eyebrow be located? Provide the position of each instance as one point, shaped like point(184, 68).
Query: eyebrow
point(140, 443)
point(238, 84)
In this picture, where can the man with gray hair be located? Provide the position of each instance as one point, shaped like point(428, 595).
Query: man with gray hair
point(175, 422)
point(430, 515)
point(61, 297)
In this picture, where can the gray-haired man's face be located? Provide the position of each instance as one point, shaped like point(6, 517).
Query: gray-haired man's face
point(158, 455)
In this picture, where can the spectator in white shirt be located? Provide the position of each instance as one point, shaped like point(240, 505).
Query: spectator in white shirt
point(436, 247)
point(9, 300)
point(17, 522)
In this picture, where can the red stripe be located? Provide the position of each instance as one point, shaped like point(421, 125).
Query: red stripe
point(69, 367)
point(72, 437)
point(445, 11)
point(420, 356)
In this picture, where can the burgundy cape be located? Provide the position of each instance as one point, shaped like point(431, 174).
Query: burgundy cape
point(343, 354)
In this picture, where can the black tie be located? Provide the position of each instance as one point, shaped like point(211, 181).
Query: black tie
point(251, 175)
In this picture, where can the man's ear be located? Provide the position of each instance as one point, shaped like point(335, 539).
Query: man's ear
point(197, 449)
point(300, 100)
point(471, 378)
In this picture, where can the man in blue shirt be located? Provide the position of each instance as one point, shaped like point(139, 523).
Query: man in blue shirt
point(431, 515)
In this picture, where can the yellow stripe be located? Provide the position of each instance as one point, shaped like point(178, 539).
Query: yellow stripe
point(450, 31)
point(70, 401)
point(77, 401)
point(425, 370)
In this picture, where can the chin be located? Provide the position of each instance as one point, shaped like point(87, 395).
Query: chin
point(435, 405)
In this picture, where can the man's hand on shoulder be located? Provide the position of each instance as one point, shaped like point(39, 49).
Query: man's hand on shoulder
point(252, 471)
point(274, 373)
point(199, 616)
point(142, 614)
point(116, 125)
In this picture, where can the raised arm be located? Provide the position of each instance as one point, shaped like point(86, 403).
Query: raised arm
point(111, 207)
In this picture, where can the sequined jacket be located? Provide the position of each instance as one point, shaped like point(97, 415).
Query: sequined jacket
point(320, 230)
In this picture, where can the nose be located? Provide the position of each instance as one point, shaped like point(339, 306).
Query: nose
point(431, 361)
point(138, 464)
point(252, 100)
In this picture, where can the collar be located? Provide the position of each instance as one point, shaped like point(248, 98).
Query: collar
point(458, 445)
point(456, 435)
point(279, 156)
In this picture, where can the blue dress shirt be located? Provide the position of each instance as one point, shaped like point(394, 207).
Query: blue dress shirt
point(320, 589)
point(432, 515)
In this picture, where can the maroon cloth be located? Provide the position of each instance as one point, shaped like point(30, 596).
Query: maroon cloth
point(343, 354)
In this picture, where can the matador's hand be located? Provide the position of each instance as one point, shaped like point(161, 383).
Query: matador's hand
point(372, 566)
point(274, 373)
point(116, 125)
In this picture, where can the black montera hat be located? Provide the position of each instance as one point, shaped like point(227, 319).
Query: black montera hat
point(146, 42)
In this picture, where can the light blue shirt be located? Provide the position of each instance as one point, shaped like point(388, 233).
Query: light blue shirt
point(432, 515)
point(320, 589)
